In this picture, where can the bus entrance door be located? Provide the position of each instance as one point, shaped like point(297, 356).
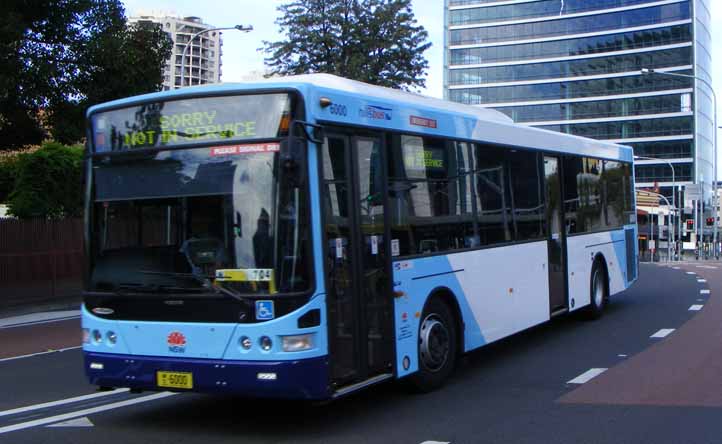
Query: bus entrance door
point(357, 261)
point(556, 235)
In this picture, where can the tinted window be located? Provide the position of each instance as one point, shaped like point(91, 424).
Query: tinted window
point(598, 195)
point(429, 196)
point(578, 46)
point(526, 194)
point(618, 190)
point(569, 89)
point(568, 26)
point(493, 195)
point(572, 68)
point(532, 9)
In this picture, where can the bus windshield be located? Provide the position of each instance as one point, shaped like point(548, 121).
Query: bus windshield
point(217, 218)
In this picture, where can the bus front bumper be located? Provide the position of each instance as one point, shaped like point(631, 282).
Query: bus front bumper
point(301, 379)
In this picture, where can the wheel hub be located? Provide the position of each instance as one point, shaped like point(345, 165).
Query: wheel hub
point(434, 343)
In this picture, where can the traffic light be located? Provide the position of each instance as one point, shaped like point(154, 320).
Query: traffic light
point(710, 221)
point(690, 224)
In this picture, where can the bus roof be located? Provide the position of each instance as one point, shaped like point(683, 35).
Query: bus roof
point(375, 106)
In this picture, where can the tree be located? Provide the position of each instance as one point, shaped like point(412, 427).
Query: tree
point(374, 41)
point(57, 57)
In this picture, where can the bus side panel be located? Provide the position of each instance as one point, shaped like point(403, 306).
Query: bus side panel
point(581, 251)
point(500, 291)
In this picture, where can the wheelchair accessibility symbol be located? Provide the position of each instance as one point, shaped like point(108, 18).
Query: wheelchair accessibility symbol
point(264, 310)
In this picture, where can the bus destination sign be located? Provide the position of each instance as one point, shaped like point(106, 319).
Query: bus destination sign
point(191, 121)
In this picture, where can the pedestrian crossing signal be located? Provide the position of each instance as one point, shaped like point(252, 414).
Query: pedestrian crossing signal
point(690, 224)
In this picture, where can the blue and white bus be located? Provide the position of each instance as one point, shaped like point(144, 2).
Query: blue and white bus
point(309, 236)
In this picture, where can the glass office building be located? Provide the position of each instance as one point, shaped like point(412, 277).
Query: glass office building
point(574, 66)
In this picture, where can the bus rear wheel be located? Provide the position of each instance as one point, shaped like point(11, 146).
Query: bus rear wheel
point(599, 293)
point(438, 339)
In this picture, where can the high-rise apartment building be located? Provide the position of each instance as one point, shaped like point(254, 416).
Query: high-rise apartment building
point(574, 66)
point(203, 58)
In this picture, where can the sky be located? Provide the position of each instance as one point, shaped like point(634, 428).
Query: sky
point(242, 55)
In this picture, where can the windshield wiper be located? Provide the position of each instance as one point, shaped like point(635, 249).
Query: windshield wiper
point(153, 288)
point(203, 280)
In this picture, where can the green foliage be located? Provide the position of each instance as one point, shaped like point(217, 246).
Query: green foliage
point(374, 41)
point(8, 174)
point(48, 182)
point(57, 57)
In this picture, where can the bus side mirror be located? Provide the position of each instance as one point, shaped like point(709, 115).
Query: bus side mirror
point(292, 153)
point(293, 149)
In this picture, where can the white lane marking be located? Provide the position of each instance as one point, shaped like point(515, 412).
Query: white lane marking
point(62, 401)
point(622, 356)
point(436, 442)
point(78, 422)
point(586, 376)
point(701, 281)
point(705, 291)
point(84, 412)
point(708, 267)
point(691, 272)
point(39, 318)
point(676, 268)
point(662, 333)
point(700, 300)
point(12, 358)
point(696, 307)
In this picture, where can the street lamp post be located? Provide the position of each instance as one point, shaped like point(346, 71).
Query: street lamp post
point(671, 233)
point(714, 182)
point(188, 45)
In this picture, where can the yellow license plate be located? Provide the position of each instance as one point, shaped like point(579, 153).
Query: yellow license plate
point(175, 380)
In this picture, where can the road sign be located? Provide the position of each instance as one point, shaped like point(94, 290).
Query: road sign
point(693, 192)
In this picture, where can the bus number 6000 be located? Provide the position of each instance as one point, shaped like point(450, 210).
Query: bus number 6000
point(339, 110)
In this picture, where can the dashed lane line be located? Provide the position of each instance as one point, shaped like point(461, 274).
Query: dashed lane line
point(84, 412)
point(61, 402)
point(691, 272)
point(587, 376)
point(705, 291)
point(663, 333)
point(701, 281)
point(696, 307)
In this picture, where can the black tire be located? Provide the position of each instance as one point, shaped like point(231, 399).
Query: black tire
point(438, 347)
point(598, 291)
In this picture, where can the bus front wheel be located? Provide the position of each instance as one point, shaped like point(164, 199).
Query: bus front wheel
point(438, 339)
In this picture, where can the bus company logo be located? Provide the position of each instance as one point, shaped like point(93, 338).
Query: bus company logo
point(176, 342)
point(375, 112)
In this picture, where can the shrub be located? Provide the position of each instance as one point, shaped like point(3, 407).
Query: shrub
point(48, 182)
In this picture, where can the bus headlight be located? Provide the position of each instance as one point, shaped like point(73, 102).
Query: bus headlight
point(245, 342)
point(297, 342)
point(265, 343)
point(112, 337)
point(97, 336)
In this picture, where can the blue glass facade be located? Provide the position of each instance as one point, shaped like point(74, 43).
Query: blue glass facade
point(576, 69)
